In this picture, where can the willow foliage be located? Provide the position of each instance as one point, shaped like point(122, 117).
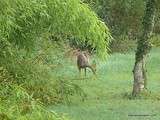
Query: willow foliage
point(22, 21)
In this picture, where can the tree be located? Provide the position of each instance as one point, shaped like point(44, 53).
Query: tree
point(22, 21)
point(143, 48)
point(26, 26)
point(124, 18)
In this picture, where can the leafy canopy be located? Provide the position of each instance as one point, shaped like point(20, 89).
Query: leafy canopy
point(22, 21)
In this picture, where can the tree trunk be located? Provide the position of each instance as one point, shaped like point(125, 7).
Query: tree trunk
point(143, 48)
point(144, 73)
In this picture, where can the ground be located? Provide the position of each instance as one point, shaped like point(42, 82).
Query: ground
point(108, 96)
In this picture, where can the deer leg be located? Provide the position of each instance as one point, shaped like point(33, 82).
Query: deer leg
point(79, 71)
point(85, 71)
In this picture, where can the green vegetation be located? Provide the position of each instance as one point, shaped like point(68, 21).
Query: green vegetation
point(39, 42)
point(109, 96)
point(124, 19)
point(33, 40)
point(23, 22)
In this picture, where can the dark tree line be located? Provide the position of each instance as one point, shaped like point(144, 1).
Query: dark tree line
point(124, 18)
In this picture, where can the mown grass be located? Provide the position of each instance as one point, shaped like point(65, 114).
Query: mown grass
point(108, 97)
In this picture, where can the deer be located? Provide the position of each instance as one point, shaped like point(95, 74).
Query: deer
point(83, 63)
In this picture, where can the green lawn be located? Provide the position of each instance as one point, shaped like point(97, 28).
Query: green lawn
point(108, 95)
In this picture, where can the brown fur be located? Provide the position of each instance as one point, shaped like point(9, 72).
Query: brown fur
point(83, 63)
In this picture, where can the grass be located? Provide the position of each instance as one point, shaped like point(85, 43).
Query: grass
point(108, 95)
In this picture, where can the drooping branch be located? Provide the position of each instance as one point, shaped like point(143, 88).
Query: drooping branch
point(27, 19)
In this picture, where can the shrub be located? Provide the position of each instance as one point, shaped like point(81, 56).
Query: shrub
point(36, 72)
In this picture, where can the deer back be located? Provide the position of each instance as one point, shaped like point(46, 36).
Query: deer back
point(82, 60)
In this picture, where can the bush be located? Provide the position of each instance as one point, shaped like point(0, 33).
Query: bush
point(26, 88)
point(37, 72)
point(19, 105)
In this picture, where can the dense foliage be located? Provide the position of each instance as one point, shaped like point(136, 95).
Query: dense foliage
point(34, 39)
point(124, 18)
point(30, 58)
point(17, 104)
point(22, 21)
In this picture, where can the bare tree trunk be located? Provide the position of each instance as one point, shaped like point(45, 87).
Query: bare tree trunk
point(143, 48)
point(144, 72)
point(138, 78)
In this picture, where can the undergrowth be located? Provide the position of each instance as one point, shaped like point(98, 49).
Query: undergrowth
point(27, 82)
